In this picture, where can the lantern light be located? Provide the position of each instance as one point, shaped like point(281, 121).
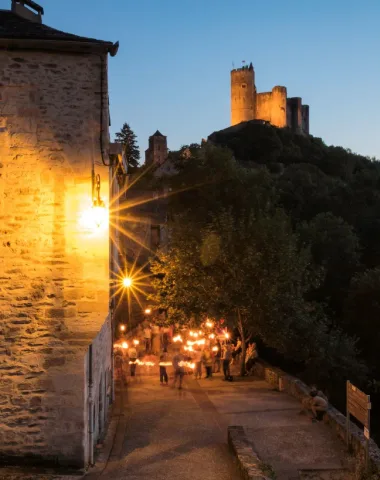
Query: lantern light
point(127, 282)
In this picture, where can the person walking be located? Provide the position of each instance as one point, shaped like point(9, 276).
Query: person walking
point(163, 373)
point(227, 357)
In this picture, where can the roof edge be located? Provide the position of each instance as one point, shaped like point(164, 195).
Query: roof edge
point(59, 45)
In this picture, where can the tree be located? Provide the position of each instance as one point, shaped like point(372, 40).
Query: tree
point(335, 247)
point(127, 137)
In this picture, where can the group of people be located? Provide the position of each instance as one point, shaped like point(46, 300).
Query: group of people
point(156, 338)
point(210, 355)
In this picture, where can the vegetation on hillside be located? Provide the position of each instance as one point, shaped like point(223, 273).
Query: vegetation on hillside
point(279, 233)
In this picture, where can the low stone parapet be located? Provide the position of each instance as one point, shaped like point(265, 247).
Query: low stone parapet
point(335, 419)
point(248, 460)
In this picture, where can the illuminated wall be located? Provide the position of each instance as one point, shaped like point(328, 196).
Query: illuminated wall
point(54, 280)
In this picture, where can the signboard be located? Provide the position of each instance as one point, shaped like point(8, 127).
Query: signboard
point(359, 406)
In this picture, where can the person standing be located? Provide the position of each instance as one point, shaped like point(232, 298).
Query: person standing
point(132, 359)
point(163, 373)
point(148, 338)
point(179, 368)
point(218, 356)
point(165, 338)
point(197, 358)
point(227, 357)
point(207, 361)
point(156, 340)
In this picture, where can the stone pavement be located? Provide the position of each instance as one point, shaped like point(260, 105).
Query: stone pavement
point(164, 433)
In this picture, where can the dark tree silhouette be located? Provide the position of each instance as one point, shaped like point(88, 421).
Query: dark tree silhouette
point(127, 137)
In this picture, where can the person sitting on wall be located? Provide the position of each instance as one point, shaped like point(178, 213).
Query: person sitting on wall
point(318, 405)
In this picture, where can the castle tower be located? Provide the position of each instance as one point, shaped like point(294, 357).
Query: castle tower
point(158, 149)
point(243, 94)
point(278, 113)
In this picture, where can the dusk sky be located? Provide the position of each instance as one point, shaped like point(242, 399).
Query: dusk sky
point(172, 71)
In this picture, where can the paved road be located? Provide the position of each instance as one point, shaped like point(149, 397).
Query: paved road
point(167, 434)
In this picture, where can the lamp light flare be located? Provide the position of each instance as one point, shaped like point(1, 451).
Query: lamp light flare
point(215, 349)
point(227, 335)
point(95, 218)
point(122, 328)
point(211, 336)
point(177, 338)
point(124, 345)
point(148, 311)
point(127, 282)
point(135, 342)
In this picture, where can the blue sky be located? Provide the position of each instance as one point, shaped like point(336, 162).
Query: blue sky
point(172, 69)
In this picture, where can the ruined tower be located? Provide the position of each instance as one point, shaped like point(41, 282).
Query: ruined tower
point(273, 107)
point(243, 94)
point(158, 149)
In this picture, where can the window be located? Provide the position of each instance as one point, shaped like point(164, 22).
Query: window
point(243, 85)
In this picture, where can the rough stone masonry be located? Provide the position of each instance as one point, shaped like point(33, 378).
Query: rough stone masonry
point(54, 271)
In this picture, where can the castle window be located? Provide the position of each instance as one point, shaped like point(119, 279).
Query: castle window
point(243, 85)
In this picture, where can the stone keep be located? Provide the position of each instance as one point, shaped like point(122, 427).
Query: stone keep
point(54, 270)
point(273, 107)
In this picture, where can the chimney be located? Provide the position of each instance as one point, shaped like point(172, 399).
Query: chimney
point(33, 13)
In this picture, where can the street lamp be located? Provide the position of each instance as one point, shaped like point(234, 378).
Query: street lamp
point(127, 282)
point(122, 328)
point(148, 311)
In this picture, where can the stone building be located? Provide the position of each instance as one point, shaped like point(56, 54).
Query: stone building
point(56, 328)
point(157, 152)
point(273, 107)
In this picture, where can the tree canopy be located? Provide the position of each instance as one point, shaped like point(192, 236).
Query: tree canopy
point(234, 252)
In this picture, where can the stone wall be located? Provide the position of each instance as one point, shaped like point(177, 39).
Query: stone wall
point(54, 268)
point(264, 106)
point(337, 421)
point(98, 386)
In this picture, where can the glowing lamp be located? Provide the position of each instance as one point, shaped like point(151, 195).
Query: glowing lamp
point(215, 349)
point(124, 345)
point(127, 282)
point(209, 324)
point(148, 311)
point(227, 335)
point(191, 333)
point(122, 328)
point(136, 342)
point(211, 336)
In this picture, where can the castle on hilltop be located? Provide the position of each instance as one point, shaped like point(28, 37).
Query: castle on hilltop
point(273, 107)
